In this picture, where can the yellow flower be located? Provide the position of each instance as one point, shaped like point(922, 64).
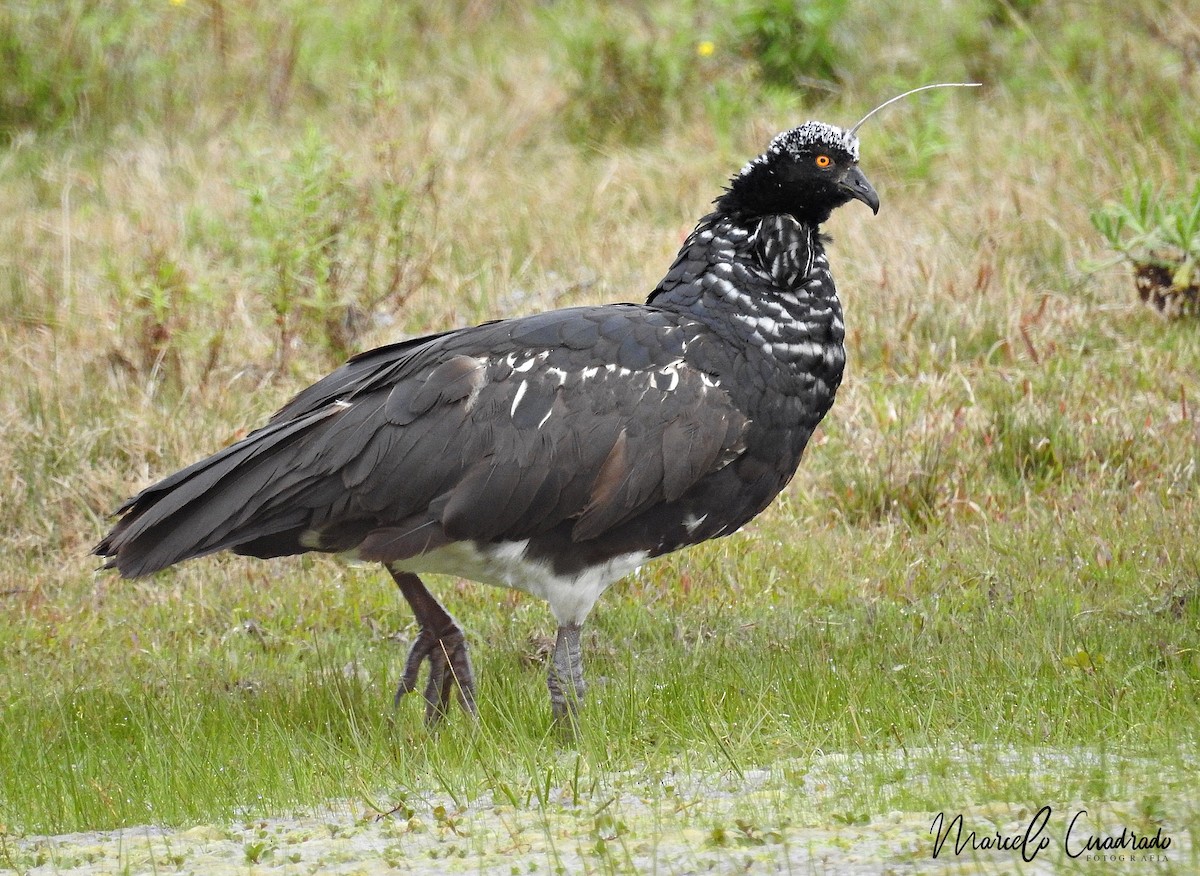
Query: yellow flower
point(705, 48)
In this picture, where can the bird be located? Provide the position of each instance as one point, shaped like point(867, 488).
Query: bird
point(553, 453)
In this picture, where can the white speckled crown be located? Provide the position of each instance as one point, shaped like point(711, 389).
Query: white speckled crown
point(797, 140)
point(813, 133)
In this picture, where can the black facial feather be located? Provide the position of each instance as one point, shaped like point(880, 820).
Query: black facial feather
point(806, 172)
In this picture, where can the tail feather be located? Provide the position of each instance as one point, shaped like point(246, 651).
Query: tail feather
point(217, 503)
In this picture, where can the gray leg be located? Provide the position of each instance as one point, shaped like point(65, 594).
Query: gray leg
point(566, 682)
point(442, 643)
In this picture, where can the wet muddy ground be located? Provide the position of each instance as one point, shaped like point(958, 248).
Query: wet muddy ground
point(794, 818)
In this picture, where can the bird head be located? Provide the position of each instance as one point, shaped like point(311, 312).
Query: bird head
point(809, 171)
point(806, 172)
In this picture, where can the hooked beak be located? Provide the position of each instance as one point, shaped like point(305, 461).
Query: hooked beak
point(854, 184)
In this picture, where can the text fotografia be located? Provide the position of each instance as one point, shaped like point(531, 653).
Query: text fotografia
point(1077, 840)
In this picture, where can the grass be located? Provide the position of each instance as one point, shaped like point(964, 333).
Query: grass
point(981, 590)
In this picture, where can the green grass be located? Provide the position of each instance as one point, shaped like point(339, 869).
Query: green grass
point(981, 591)
point(173, 703)
point(217, 694)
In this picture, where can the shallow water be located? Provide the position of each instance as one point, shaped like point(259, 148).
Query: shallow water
point(810, 816)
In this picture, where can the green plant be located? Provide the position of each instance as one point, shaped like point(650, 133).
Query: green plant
point(1003, 12)
point(334, 247)
point(624, 78)
point(157, 297)
point(911, 482)
point(62, 65)
point(868, 658)
point(1160, 237)
point(87, 66)
point(793, 44)
point(631, 76)
point(1030, 444)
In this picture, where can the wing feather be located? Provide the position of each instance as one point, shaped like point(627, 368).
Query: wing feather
point(468, 435)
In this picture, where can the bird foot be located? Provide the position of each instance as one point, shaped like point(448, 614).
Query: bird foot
point(449, 672)
point(442, 644)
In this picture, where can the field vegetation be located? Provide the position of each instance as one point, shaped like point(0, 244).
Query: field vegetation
point(981, 592)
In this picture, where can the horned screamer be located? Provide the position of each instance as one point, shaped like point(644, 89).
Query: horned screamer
point(553, 453)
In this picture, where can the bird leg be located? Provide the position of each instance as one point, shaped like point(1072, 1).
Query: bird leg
point(441, 642)
point(565, 681)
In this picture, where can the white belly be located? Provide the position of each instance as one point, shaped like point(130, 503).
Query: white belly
point(571, 597)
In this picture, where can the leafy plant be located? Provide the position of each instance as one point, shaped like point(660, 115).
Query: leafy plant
point(167, 317)
point(793, 44)
point(63, 65)
point(1160, 238)
point(335, 248)
point(258, 851)
point(623, 80)
point(87, 66)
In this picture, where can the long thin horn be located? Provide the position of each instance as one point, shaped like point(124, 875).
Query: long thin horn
point(913, 91)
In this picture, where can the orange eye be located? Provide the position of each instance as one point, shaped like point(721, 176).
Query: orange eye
point(824, 161)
